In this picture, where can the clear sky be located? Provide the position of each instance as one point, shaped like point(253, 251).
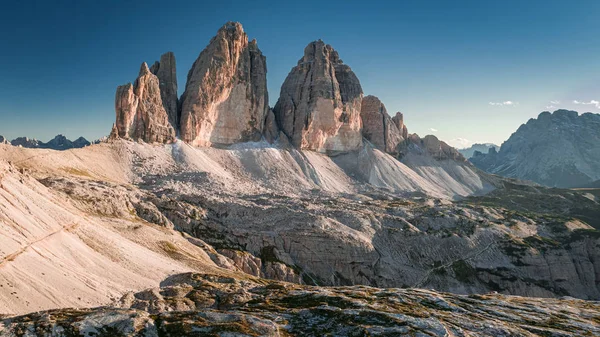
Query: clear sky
point(462, 70)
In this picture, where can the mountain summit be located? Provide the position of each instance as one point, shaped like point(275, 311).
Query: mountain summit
point(319, 105)
point(225, 99)
point(560, 149)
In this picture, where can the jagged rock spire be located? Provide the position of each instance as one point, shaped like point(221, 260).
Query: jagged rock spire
point(166, 71)
point(140, 111)
point(225, 99)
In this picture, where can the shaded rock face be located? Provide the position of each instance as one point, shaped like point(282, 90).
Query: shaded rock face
point(59, 142)
point(481, 148)
point(26, 142)
point(140, 111)
point(320, 100)
point(81, 142)
point(166, 71)
point(559, 149)
point(4, 140)
point(437, 148)
point(225, 99)
point(271, 132)
point(399, 121)
point(378, 127)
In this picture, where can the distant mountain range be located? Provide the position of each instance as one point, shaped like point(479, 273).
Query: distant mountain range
point(483, 148)
point(59, 142)
point(560, 149)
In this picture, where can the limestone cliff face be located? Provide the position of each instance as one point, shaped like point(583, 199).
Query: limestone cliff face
point(140, 111)
point(166, 71)
point(319, 105)
point(378, 127)
point(225, 99)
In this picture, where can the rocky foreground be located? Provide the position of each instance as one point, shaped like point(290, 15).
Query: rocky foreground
point(208, 305)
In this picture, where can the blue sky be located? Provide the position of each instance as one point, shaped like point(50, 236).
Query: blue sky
point(439, 62)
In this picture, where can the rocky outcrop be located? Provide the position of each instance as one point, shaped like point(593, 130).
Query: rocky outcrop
point(267, 266)
point(436, 148)
point(211, 305)
point(378, 127)
point(560, 149)
point(166, 71)
point(320, 100)
point(399, 121)
point(4, 140)
point(225, 99)
point(140, 111)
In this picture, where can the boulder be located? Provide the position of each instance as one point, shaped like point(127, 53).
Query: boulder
point(320, 100)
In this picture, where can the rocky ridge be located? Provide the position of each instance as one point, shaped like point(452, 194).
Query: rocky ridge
point(558, 149)
point(321, 106)
point(59, 143)
point(26, 142)
point(436, 148)
point(210, 305)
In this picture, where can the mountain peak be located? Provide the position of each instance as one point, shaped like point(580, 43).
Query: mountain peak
point(559, 149)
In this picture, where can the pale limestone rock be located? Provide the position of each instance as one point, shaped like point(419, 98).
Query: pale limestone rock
point(166, 71)
point(378, 127)
point(225, 99)
point(245, 261)
point(319, 105)
point(399, 121)
point(437, 148)
point(140, 111)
